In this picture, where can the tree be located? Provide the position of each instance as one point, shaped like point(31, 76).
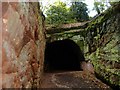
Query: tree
point(79, 11)
point(57, 13)
point(100, 6)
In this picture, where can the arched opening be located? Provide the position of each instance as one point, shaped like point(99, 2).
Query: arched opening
point(63, 55)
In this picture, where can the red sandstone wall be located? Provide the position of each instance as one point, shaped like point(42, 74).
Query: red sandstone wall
point(22, 45)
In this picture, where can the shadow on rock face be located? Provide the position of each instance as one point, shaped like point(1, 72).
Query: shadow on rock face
point(63, 55)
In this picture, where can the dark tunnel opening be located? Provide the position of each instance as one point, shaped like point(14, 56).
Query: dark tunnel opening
point(63, 55)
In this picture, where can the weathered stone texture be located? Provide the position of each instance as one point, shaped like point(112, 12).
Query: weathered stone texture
point(104, 45)
point(22, 44)
point(100, 42)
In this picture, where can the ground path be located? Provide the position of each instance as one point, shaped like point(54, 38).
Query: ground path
point(74, 79)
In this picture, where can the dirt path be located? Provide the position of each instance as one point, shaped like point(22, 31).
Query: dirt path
point(76, 79)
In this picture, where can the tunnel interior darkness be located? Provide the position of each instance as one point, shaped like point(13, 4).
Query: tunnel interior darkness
point(64, 55)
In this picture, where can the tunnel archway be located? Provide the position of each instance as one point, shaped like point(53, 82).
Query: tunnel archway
point(64, 55)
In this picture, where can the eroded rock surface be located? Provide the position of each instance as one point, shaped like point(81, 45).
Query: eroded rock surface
point(22, 44)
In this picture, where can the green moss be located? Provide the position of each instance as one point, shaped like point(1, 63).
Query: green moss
point(101, 35)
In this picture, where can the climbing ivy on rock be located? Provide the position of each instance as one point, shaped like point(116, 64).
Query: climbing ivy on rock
point(104, 45)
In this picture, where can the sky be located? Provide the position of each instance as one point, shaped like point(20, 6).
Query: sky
point(90, 6)
point(88, 2)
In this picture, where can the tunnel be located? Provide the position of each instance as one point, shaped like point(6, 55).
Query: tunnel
point(63, 55)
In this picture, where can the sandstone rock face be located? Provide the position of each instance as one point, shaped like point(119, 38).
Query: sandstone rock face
point(23, 44)
point(104, 45)
point(87, 67)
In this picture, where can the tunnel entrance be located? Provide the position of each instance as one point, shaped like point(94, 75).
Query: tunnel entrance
point(63, 55)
